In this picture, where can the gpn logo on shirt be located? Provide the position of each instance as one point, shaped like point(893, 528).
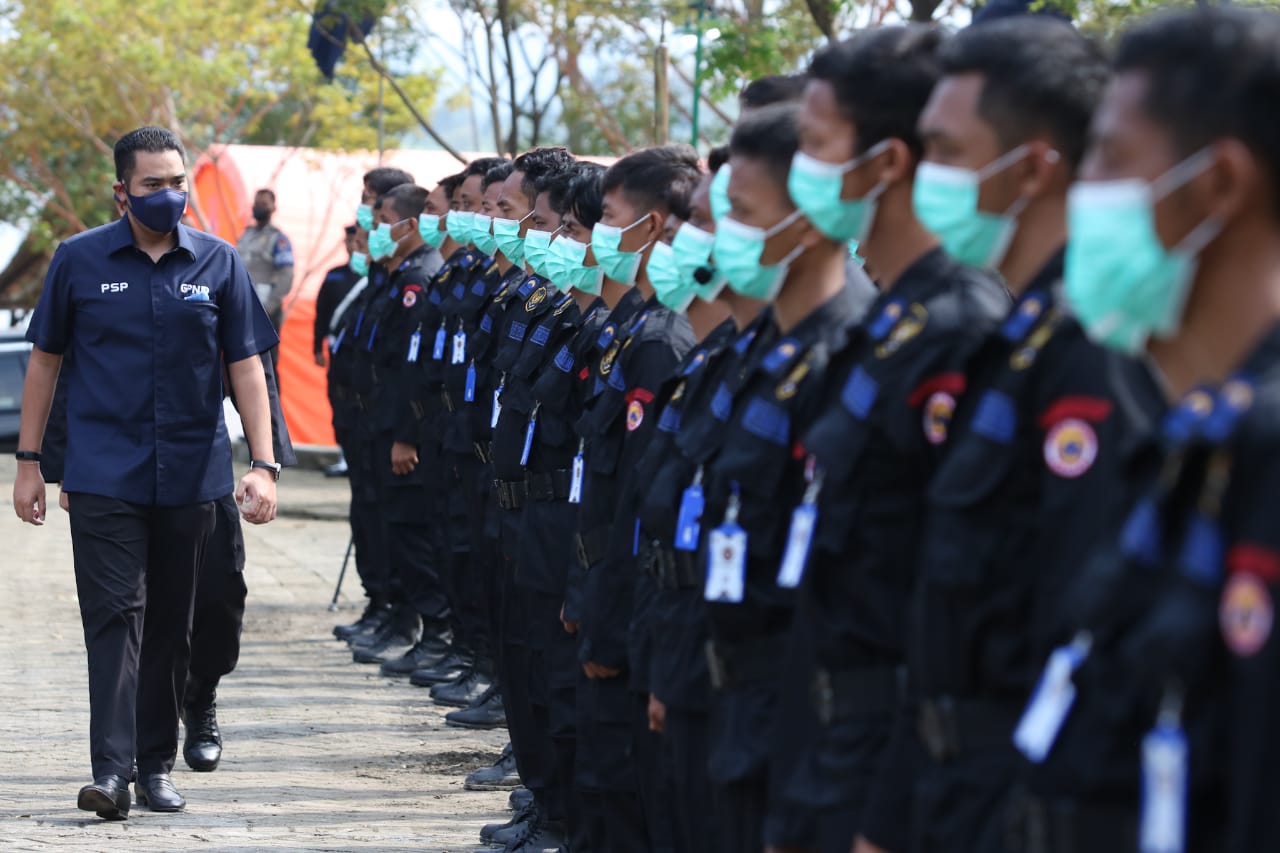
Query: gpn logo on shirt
point(194, 292)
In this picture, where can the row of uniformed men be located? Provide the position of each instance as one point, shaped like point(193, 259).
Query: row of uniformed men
point(984, 565)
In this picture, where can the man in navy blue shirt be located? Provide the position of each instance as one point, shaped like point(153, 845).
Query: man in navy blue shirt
point(149, 310)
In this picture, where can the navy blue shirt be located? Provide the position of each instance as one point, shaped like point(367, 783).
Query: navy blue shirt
point(144, 404)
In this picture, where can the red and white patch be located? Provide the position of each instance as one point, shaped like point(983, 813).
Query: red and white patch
point(635, 415)
point(938, 410)
point(1245, 614)
point(1070, 448)
point(410, 298)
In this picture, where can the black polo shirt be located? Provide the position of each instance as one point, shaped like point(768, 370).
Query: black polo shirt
point(144, 407)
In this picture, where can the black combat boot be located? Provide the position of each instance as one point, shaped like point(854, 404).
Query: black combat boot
point(202, 748)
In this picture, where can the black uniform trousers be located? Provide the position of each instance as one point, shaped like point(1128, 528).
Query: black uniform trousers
point(413, 557)
point(136, 569)
point(220, 597)
point(368, 525)
point(472, 580)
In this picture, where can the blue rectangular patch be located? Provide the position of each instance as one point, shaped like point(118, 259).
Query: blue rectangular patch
point(617, 381)
point(883, 325)
point(486, 323)
point(859, 393)
point(434, 296)
point(540, 336)
point(528, 286)
point(459, 290)
point(516, 333)
point(564, 360)
point(768, 421)
point(670, 420)
point(722, 404)
point(477, 289)
point(996, 418)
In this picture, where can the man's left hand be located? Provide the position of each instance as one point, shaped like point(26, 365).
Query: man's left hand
point(599, 670)
point(256, 496)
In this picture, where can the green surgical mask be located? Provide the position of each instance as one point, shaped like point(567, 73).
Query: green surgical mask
point(672, 289)
point(429, 230)
point(692, 249)
point(738, 250)
point(568, 271)
point(815, 187)
point(359, 263)
point(537, 249)
point(364, 217)
point(510, 243)
point(945, 199)
point(458, 224)
point(622, 267)
point(381, 244)
point(719, 192)
point(1122, 283)
point(481, 234)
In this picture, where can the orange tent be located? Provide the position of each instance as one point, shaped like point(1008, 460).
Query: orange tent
point(316, 197)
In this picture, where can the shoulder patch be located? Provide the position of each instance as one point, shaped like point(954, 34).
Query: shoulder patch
point(1070, 448)
point(859, 393)
point(410, 298)
point(609, 357)
point(635, 415)
point(1245, 614)
point(535, 299)
point(767, 420)
point(780, 355)
point(996, 417)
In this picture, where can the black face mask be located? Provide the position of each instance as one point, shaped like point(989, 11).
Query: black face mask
point(261, 214)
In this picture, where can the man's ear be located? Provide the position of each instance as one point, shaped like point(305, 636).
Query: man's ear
point(1234, 183)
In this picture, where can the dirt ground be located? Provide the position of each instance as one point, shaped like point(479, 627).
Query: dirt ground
point(320, 753)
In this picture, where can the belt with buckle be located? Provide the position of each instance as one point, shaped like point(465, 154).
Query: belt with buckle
point(512, 494)
point(483, 450)
point(949, 727)
point(549, 485)
point(857, 691)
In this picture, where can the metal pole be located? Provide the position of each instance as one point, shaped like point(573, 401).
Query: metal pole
point(333, 605)
point(697, 70)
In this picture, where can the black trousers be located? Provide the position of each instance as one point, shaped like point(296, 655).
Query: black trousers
point(136, 569)
point(368, 527)
point(220, 597)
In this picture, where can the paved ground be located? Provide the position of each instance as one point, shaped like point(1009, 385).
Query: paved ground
point(321, 753)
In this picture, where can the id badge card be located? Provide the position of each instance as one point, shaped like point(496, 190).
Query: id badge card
point(804, 520)
point(1051, 703)
point(1164, 790)
point(459, 347)
point(689, 519)
point(497, 404)
point(469, 393)
point(415, 342)
point(337, 342)
point(726, 564)
point(529, 431)
point(575, 481)
point(437, 351)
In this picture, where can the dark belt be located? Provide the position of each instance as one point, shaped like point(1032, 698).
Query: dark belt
point(743, 663)
point(675, 569)
point(951, 727)
point(593, 546)
point(484, 451)
point(512, 494)
point(857, 691)
point(448, 401)
point(549, 485)
point(1044, 825)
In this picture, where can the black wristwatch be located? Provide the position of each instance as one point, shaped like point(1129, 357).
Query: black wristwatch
point(27, 456)
point(274, 467)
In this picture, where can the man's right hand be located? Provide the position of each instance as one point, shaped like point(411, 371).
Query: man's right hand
point(29, 494)
point(404, 458)
point(319, 358)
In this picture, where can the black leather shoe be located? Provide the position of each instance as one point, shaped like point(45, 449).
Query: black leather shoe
point(500, 776)
point(202, 748)
point(517, 830)
point(428, 652)
point(537, 836)
point(485, 714)
point(157, 793)
point(490, 830)
point(519, 799)
point(396, 637)
point(374, 617)
point(108, 797)
point(463, 692)
point(449, 669)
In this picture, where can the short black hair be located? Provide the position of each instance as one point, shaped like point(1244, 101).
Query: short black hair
point(450, 184)
point(154, 140)
point(717, 157)
point(1212, 73)
point(269, 193)
point(407, 200)
point(496, 175)
point(663, 176)
point(537, 163)
point(556, 185)
point(774, 89)
point(882, 80)
point(382, 179)
point(350, 230)
point(585, 198)
point(1040, 76)
point(769, 135)
point(482, 165)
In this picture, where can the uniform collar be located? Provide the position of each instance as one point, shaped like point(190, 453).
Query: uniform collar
point(1050, 275)
point(839, 311)
point(120, 235)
